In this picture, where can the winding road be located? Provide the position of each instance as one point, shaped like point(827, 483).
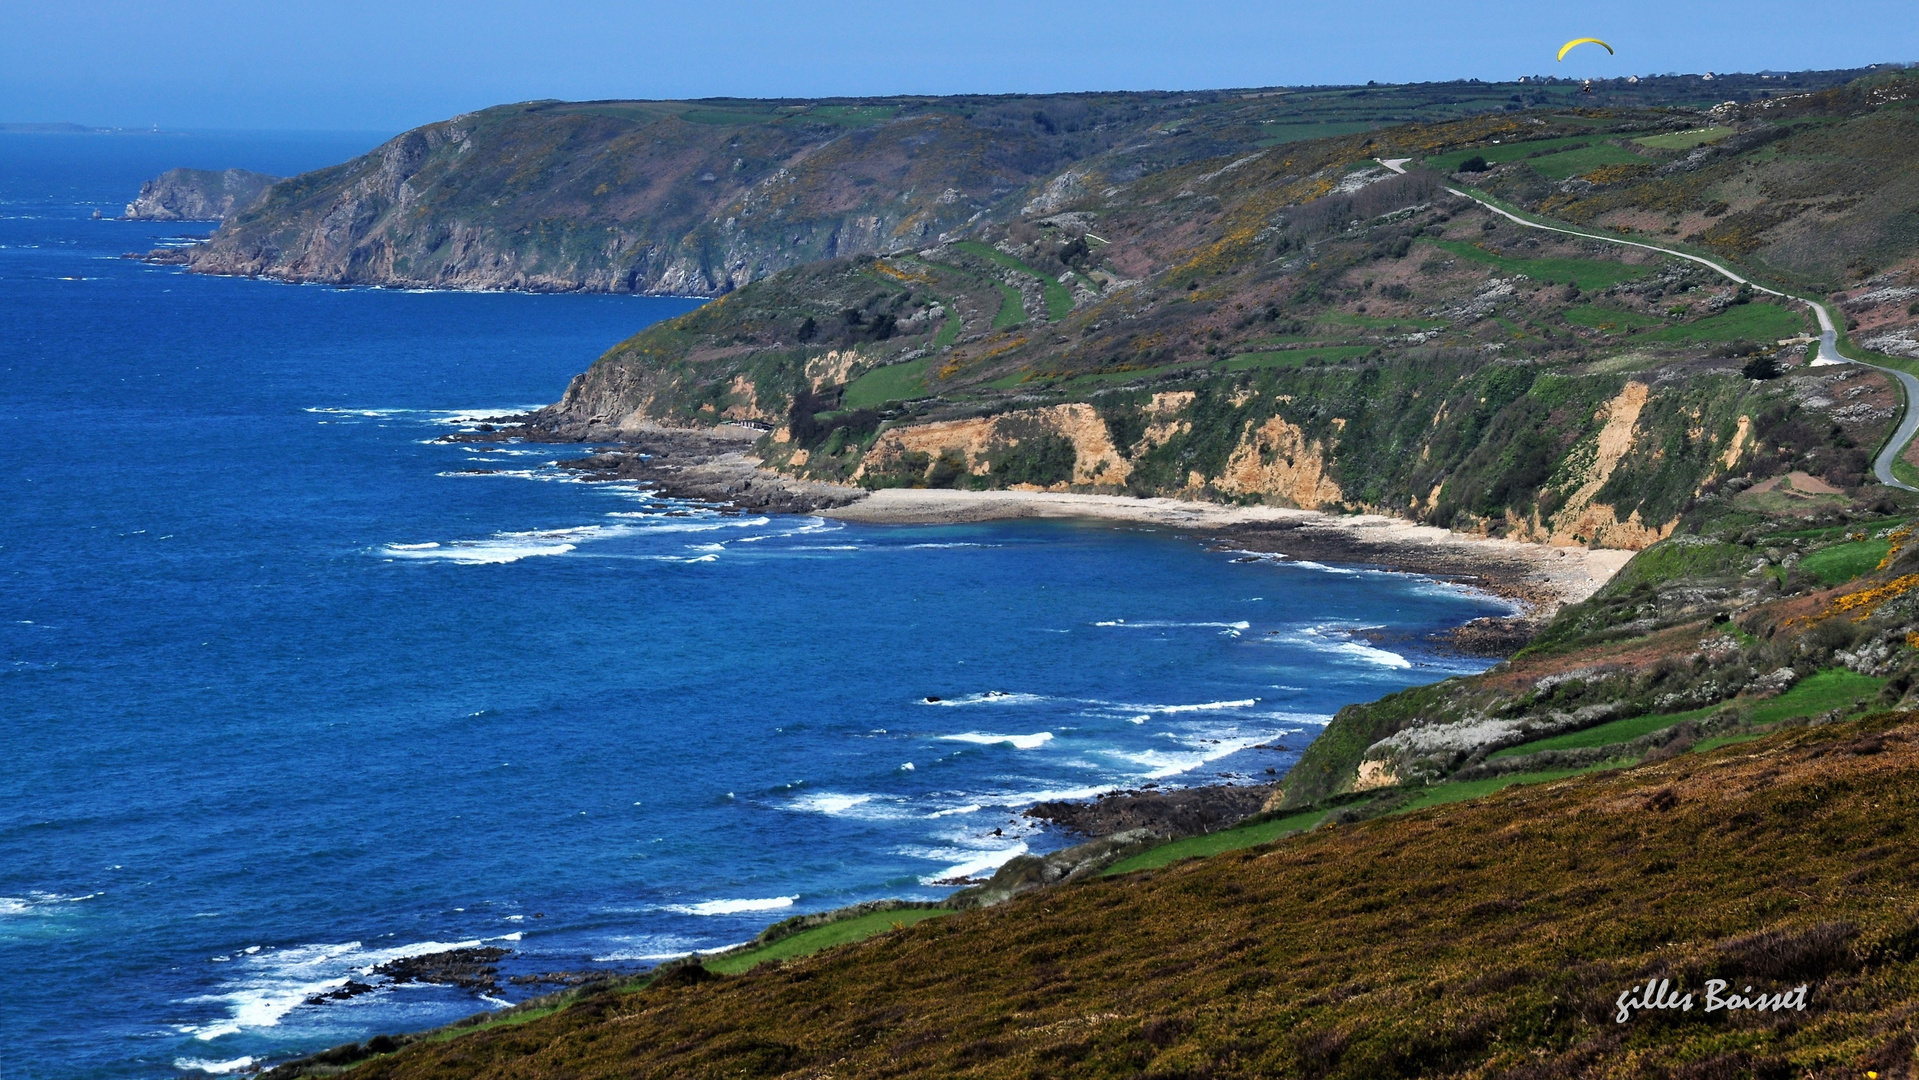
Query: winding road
point(1828, 333)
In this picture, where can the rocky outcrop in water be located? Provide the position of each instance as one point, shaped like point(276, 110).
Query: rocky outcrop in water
point(198, 195)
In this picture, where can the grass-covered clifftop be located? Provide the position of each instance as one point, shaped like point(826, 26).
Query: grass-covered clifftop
point(1491, 938)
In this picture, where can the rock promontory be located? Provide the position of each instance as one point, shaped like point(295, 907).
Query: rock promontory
point(198, 195)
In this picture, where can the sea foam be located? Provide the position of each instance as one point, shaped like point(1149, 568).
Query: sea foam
point(1018, 742)
point(731, 907)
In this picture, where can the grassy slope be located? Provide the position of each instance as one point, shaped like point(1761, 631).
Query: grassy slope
point(1843, 562)
point(1059, 302)
point(1467, 939)
point(894, 382)
point(1833, 689)
point(808, 942)
point(1588, 273)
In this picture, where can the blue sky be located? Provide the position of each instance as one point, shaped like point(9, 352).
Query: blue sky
point(389, 65)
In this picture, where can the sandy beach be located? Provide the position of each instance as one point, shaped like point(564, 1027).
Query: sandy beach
point(1541, 577)
point(1538, 577)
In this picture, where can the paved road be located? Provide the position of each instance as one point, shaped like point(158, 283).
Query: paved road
point(1828, 333)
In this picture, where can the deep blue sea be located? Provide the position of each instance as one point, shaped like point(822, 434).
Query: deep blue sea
point(284, 695)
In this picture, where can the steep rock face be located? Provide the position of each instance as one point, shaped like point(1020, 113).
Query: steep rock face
point(1277, 462)
point(198, 195)
point(628, 197)
point(989, 445)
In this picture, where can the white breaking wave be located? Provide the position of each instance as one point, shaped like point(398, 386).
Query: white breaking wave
point(1161, 625)
point(1018, 742)
point(1323, 568)
point(629, 955)
point(661, 523)
point(1338, 640)
point(267, 984)
point(1203, 706)
point(990, 697)
point(969, 808)
point(731, 907)
point(977, 865)
point(214, 1067)
point(1161, 765)
point(860, 807)
point(38, 903)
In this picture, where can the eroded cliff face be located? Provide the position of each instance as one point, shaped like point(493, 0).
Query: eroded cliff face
point(1276, 462)
point(198, 195)
point(980, 447)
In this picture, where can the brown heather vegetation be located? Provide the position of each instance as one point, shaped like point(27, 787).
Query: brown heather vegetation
point(1488, 939)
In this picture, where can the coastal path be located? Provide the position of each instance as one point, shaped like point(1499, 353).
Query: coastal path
point(1828, 333)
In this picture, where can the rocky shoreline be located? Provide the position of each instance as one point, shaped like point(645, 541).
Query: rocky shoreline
point(716, 465)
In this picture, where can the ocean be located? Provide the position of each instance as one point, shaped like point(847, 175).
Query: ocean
point(290, 688)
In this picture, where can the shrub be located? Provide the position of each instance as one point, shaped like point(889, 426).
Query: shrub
point(1043, 460)
point(1474, 164)
point(947, 469)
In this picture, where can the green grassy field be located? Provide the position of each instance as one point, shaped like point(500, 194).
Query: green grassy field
point(1581, 160)
point(1843, 562)
point(1685, 140)
point(1831, 689)
point(948, 333)
point(1512, 151)
point(1750, 322)
point(1286, 133)
point(1012, 308)
point(1555, 158)
point(1059, 302)
point(1615, 731)
point(1589, 273)
point(807, 942)
point(1243, 836)
point(894, 382)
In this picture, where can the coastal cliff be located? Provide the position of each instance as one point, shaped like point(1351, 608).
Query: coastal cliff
point(1302, 327)
point(198, 195)
point(688, 198)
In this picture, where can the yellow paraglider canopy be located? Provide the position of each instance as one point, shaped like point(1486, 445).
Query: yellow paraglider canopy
point(1568, 47)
